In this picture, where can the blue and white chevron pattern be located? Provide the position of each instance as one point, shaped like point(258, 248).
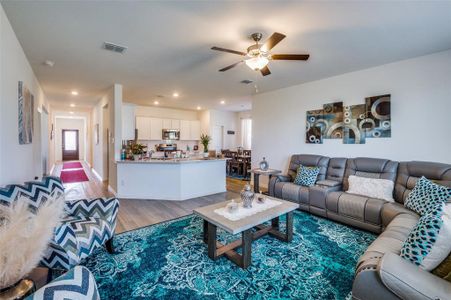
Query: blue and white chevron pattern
point(89, 223)
point(76, 284)
point(36, 192)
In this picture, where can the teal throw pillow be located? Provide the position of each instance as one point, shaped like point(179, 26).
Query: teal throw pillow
point(306, 176)
point(426, 195)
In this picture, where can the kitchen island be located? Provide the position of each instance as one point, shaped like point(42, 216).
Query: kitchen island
point(170, 179)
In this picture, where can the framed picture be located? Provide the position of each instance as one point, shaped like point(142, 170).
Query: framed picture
point(26, 108)
point(96, 133)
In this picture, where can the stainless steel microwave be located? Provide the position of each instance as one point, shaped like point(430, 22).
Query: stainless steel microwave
point(171, 134)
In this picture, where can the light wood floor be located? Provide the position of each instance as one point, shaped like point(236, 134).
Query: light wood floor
point(138, 213)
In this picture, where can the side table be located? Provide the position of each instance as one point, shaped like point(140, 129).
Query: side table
point(258, 172)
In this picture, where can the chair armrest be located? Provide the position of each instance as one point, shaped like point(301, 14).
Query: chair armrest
point(275, 179)
point(408, 281)
point(77, 283)
point(329, 183)
point(102, 208)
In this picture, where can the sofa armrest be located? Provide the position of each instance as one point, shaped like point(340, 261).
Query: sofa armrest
point(408, 281)
point(275, 179)
point(78, 283)
point(102, 208)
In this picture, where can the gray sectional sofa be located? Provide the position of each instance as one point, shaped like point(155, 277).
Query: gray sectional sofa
point(381, 273)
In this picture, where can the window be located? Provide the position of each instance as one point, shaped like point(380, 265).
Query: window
point(246, 133)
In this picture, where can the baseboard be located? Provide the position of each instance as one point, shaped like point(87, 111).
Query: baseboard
point(111, 190)
point(96, 174)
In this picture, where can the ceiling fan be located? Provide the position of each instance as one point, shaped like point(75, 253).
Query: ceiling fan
point(258, 55)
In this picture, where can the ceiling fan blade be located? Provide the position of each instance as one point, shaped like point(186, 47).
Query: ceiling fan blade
point(273, 40)
point(231, 66)
point(228, 50)
point(290, 56)
point(265, 71)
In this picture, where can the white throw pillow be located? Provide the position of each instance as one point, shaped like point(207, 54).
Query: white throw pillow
point(371, 187)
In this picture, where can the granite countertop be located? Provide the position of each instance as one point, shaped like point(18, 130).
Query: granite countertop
point(171, 160)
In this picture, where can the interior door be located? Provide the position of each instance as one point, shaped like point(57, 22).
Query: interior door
point(70, 144)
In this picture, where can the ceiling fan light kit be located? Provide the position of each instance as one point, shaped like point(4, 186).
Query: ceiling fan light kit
point(258, 55)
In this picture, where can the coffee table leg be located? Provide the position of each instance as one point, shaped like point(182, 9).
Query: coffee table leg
point(289, 226)
point(246, 257)
point(256, 183)
point(205, 232)
point(212, 241)
point(275, 223)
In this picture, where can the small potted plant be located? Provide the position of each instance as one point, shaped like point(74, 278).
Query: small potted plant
point(137, 150)
point(205, 140)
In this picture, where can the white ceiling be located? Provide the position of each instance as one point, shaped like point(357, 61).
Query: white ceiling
point(169, 44)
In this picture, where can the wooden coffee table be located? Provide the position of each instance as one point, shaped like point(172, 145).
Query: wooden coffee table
point(244, 226)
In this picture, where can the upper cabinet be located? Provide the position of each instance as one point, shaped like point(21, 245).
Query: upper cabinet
point(143, 127)
point(152, 128)
point(194, 130)
point(128, 121)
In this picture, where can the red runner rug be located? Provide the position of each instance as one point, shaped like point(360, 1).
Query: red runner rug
point(72, 165)
point(69, 176)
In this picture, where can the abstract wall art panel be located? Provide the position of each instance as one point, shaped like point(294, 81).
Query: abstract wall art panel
point(353, 124)
point(378, 121)
point(26, 107)
point(315, 127)
point(333, 120)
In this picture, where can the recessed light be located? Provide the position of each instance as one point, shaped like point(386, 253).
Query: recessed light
point(156, 102)
point(75, 93)
point(49, 63)
point(175, 94)
point(222, 101)
point(72, 105)
point(71, 112)
point(199, 108)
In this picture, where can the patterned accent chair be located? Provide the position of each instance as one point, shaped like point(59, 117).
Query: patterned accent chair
point(78, 283)
point(88, 224)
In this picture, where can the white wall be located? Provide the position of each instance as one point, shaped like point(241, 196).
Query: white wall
point(18, 163)
point(112, 121)
point(230, 121)
point(420, 91)
point(76, 124)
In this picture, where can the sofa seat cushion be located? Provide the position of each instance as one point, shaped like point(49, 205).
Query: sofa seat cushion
point(391, 240)
point(361, 208)
point(292, 192)
point(80, 236)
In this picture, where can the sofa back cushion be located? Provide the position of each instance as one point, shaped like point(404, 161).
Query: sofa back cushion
point(36, 192)
point(410, 172)
point(336, 169)
point(370, 168)
point(308, 160)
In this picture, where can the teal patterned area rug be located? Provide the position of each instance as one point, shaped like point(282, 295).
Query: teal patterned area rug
point(169, 261)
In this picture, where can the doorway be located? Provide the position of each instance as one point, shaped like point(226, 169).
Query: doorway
point(218, 138)
point(70, 145)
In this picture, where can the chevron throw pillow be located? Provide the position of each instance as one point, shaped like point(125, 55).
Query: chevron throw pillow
point(306, 176)
point(426, 195)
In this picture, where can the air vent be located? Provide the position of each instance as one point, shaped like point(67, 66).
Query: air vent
point(113, 47)
point(246, 81)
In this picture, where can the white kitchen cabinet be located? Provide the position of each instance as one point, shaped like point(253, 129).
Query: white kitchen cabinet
point(185, 130)
point(175, 124)
point(167, 124)
point(194, 130)
point(156, 129)
point(128, 121)
point(143, 125)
